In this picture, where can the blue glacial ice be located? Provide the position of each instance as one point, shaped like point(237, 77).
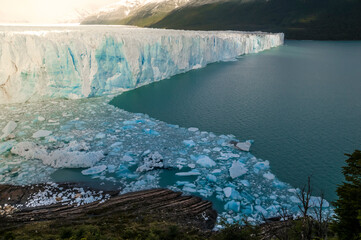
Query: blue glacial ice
point(39, 63)
point(241, 185)
point(106, 144)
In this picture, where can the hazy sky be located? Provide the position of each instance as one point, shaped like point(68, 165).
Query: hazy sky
point(45, 11)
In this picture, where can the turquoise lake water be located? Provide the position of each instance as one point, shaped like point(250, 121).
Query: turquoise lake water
point(300, 102)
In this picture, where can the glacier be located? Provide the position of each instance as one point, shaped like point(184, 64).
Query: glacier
point(87, 139)
point(38, 63)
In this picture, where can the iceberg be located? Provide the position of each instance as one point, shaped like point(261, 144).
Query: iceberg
point(39, 63)
point(238, 169)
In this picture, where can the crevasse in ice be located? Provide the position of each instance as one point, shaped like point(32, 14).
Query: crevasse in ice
point(82, 61)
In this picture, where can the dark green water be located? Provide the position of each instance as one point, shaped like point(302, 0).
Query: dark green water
point(301, 103)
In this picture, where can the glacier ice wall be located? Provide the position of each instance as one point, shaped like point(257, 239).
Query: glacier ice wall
point(83, 61)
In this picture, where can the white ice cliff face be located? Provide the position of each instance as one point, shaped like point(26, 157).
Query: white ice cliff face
point(76, 62)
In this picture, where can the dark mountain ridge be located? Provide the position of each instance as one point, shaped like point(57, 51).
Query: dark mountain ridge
point(298, 19)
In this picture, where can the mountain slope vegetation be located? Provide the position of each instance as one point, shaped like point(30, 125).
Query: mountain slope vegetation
point(298, 19)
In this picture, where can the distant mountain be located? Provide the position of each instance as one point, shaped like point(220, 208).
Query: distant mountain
point(134, 12)
point(298, 19)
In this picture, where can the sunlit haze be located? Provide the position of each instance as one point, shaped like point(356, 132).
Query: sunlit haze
point(47, 11)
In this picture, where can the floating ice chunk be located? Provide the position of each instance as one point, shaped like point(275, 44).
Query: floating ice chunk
point(65, 159)
point(205, 161)
point(182, 183)
point(216, 172)
point(278, 184)
point(30, 150)
point(8, 129)
point(261, 166)
point(235, 195)
point(261, 210)
point(226, 156)
point(227, 191)
point(41, 119)
point(151, 132)
point(52, 139)
point(123, 172)
point(245, 183)
point(316, 202)
point(211, 178)
point(94, 170)
point(244, 146)
point(42, 133)
point(233, 206)
point(295, 199)
point(237, 169)
point(192, 165)
point(6, 146)
point(128, 127)
point(150, 162)
point(111, 168)
point(100, 136)
point(193, 129)
point(189, 189)
point(127, 158)
point(61, 158)
point(269, 176)
point(189, 143)
point(190, 173)
point(217, 149)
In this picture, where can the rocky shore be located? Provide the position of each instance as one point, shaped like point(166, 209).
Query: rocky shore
point(161, 204)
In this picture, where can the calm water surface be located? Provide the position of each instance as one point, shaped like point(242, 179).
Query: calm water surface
point(301, 103)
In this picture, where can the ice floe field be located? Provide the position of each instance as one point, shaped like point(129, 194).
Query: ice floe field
point(47, 139)
point(132, 152)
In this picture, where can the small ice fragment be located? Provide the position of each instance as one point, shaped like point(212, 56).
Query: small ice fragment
point(100, 136)
point(237, 169)
point(295, 199)
point(233, 205)
point(127, 158)
point(8, 129)
point(151, 132)
point(216, 171)
point(261, 210)
point(189, 189)
point(191, 173)
point(227, 191)
point(211, 178)
point(244, 146)
point(245, 183)
point(205, 161)
point(111, 168)
point(41, 119)
point(269, 176)
point(42, 133)
point(189, 143)
point(94, 170)
point(193, 129)
point(150, 162)
point(316, 202)
point(6, 146)
point(191, 165)
point(261, 166)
